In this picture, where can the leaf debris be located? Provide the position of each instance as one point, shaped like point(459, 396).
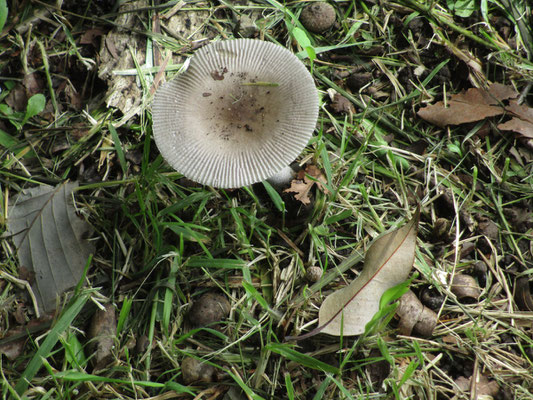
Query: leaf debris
point(304, 182)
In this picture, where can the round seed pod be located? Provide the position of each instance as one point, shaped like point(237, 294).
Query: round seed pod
point(313, 274)
point(318, 17)
point(194, 371)
point(209, 308)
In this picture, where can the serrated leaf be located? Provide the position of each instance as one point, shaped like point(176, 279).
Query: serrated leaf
point(388, 263)
point(50, 240)
point(304, 181)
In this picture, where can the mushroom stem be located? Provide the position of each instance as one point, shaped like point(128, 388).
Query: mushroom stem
point(282, 178)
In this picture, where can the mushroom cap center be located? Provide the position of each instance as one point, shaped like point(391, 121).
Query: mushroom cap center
point(245, 112)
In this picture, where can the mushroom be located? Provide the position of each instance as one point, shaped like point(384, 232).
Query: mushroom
point(242, 111)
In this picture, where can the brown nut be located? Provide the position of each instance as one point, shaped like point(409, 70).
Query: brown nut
point(313, 274)
point(195, 371)
point(318, 17)
point(209, 308)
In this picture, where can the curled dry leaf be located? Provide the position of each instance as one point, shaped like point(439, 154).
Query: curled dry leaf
point(414, 316)
point(522, 121)
point(13, 349)
point(465, 287)
point(341, 105)
point(482, 387)
point(102, 333)
point(470, 106)
point(388, 263)
point(302, 184)
point(522, 295)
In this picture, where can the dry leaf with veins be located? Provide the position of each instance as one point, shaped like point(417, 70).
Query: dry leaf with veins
point(470, 106)
point(51, 240)
point(388, 263)
point(302, 184)
point(522, 121)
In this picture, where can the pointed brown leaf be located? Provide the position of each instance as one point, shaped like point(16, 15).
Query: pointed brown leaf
point(470, 106)
point(522, 122)
point(388, 263)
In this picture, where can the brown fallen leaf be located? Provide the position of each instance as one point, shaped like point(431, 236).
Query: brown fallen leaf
point(388, 263)
point(91, 36)
point(473, 105)
point(302, 184)
point(51, 240)
point(103, 333)
point(522, 295)
point(522, 121)
point(13, 348)
point(12, 344)
point(482, 386)
point(341, 105)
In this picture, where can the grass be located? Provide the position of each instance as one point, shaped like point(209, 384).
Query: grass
point(163, 241)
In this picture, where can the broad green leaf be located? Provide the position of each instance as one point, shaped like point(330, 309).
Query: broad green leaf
point(74, 351)
point(6, 110)
point(7, 140)
point(3, 13)
point(274, 196)
point(301, 37)
point(462, 8)
point(35, 105)
point(303, 40)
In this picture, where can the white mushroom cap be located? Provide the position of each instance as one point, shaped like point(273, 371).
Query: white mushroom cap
point(241, 112)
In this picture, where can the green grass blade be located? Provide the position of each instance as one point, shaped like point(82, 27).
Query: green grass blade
point(3, 13)
point(119, 149)
point(43, 352)
point(302, 359)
